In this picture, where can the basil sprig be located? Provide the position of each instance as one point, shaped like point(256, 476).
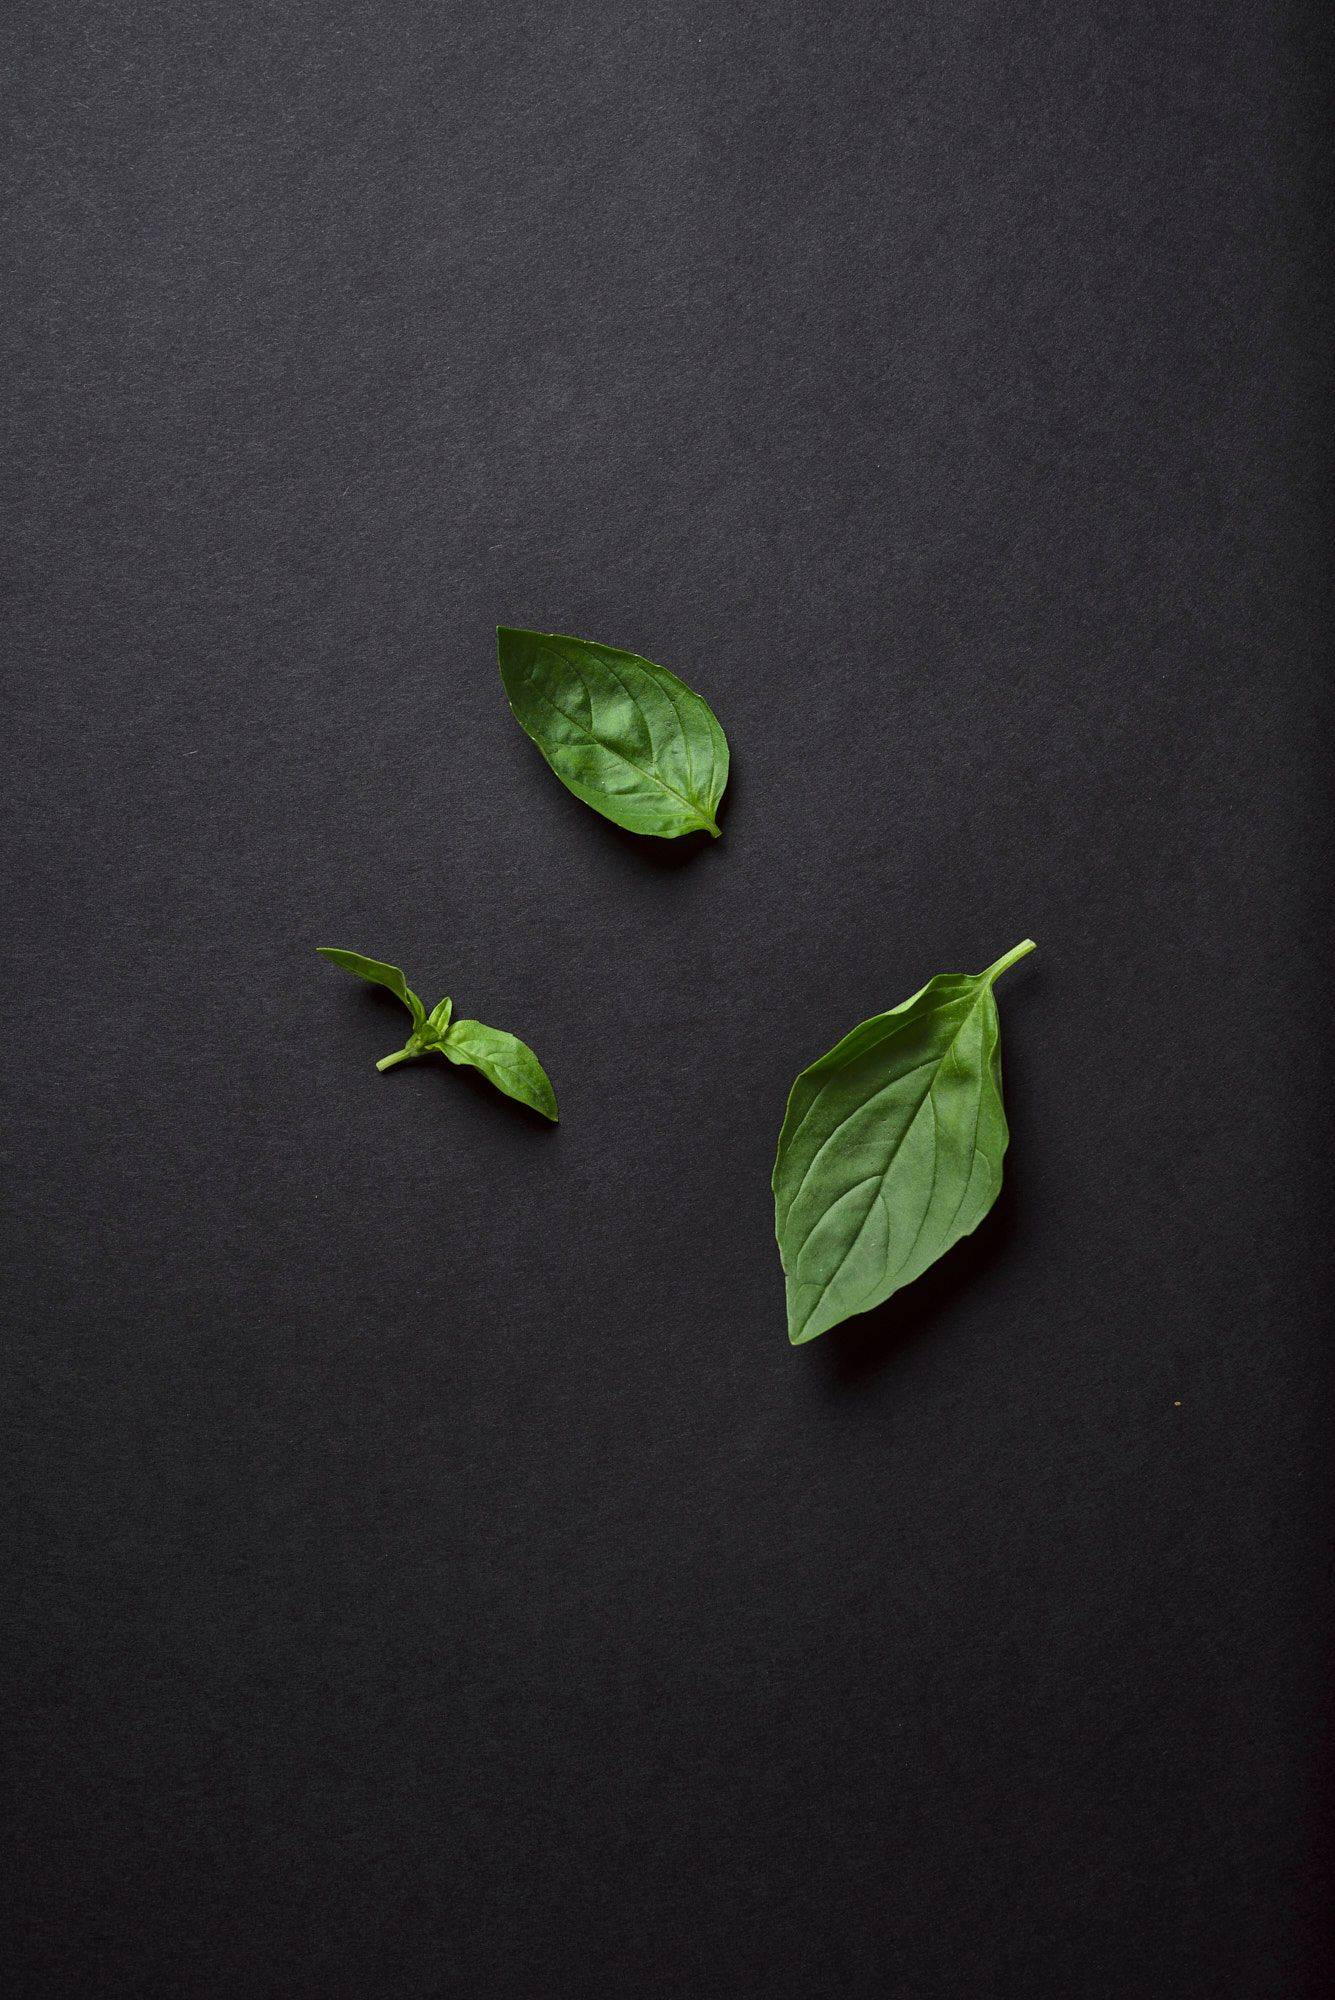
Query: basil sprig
point(625, 736)
point(503, 1059)
point(891, 1149)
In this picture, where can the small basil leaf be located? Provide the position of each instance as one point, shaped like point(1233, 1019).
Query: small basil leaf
point(439, 1017)
point(891, 1149)
point(504, 1060)
point(627, 737)
point(379, 974)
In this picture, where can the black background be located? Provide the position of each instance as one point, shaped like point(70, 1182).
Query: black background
point(433, 1574)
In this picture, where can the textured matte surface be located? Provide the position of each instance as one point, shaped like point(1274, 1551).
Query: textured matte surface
point(430, 1571)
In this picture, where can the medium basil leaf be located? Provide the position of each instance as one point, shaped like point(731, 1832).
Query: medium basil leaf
point(891, 1149)
point(379, 974)
point(504, 1060)
point(627, 737)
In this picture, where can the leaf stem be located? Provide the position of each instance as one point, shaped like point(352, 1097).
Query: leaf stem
point(1003, 964)
point(399, 1055)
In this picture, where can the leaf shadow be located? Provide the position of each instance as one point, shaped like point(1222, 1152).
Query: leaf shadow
point(460, 1076)
point(379, 1002)
point(860, 1349)
point(666, 856)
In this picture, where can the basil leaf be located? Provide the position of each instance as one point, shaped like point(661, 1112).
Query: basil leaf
point(379, 974)
point(627, 737)
point(891, 1149)
point(504, 1060)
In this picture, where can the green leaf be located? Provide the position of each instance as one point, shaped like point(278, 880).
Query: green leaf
point(627, 737)
point(379, 974)
point(504, 1060)
point(891, 1149)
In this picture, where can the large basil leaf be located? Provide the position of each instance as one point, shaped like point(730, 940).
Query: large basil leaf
point(504, 1060)
point(891, 1149)
point(627, 737)
point(379, 974)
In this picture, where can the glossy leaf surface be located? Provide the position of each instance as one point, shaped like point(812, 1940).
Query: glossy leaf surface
point(625, 736)
point(504, 1060)
point(891, 1149)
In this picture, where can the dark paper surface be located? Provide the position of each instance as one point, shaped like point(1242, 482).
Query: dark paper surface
point(430, 1571)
